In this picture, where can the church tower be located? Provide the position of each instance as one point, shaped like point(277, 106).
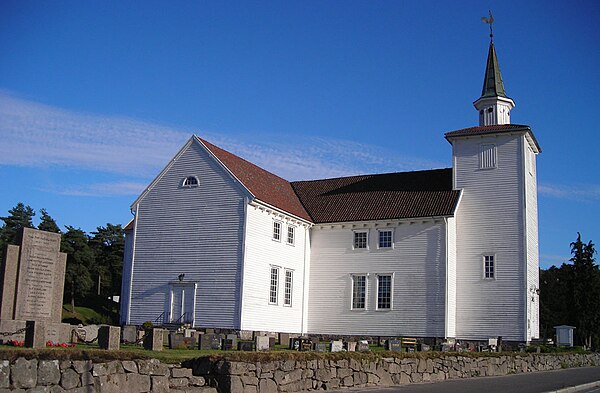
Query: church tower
point(494, 165)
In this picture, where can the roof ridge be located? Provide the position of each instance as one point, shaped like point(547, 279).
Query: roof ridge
point(368, 175)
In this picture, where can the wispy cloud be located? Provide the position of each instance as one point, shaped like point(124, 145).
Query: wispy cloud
point(37, 135)
point(581, 192)
point(118, 188)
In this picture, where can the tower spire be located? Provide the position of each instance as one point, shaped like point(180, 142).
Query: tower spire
point(494, 105)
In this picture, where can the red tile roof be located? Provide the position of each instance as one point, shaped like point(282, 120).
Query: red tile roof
point(264, 185)
point(494, 129)
point(379, 197)
point(355, 198)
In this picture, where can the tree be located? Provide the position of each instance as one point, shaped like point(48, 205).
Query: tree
point(108, 244)
point(80, 259)
point(20, 216)
point(586, 291)
point(47, 223)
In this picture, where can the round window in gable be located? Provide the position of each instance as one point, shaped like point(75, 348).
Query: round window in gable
point(190, 181)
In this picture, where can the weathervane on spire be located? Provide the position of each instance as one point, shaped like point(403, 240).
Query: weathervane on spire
point(489, 21)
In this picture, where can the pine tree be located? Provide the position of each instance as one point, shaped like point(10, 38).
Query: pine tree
point(20, 216)
point(108, 244)
point(80, 259)
point(585, 283)
point(47, 223)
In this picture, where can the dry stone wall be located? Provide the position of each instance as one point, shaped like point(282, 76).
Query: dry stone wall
point(84, 376)
point(301, 375)
point(205, 375)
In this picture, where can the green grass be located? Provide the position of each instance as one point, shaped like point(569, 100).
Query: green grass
point(91, 311)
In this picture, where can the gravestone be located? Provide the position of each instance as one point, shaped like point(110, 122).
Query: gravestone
point(210, 341)
point(129, 334)
point(33, 278)
point(246, 345)
point(230, 342)
point(108, 337)
point(321, 347)
point(284, 338)
point(363, 346)
point(272, 342)
point(35, 335)
point(351, 346)
point(180, 341)
point(393, 345)
point(262, 343)
point(337, 346)
point(154, 339)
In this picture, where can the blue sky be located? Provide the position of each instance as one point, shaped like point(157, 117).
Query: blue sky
point(97, 96)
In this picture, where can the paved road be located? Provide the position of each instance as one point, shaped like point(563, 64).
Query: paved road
point(544, 381)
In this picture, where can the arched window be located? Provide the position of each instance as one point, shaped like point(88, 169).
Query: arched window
point(190, 181)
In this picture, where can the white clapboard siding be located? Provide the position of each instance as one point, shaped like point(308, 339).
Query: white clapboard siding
point(261, 253)
point(451, 277)
point(490, 221)
point(126, 280)
point(532, 243)
point(418, 265)
point(194, 231)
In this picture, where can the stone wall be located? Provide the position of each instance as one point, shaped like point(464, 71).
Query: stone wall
point(297, 373)
point(84, 376)
point(294, 375)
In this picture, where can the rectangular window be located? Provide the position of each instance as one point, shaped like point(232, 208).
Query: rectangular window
point(274, 287)
point(277, 230)
point(290, 235)
point(287, 293)
point(361, 240)
point(489, 268)
point(487, 156)
point(384, 292)
point(385, 239)
point(359, 292)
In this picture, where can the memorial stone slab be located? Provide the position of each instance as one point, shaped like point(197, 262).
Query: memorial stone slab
point(393, 345)
point(424, 347)
point(188, 332)
point(272, 342)
point(284, 339)
point(9, 282)
point(210, 341)
point(262, 343)
point(321, 347)
point(154, 340)
point(351, 346)
point(246, 345)
point(129, 334)
point(35, 335)
point(233, 338)
point(58, 332)
point(108, 337)
point(305, 344)
point(180, 341)
point(12, 326)
point(41, 277)
point(363, 346)
point(337, 346)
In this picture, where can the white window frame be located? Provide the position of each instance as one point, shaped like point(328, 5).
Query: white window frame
point(378, 276)
point(288, 287)
point(291, 228)
point(489, 160)
point(274, 285)
point(353, 278)
point(186, 183)
point(379, 232)
point(354, 243)
point(486, 259)
point(277, 229)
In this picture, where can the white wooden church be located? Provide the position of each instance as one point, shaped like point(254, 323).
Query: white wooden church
point(219, 242)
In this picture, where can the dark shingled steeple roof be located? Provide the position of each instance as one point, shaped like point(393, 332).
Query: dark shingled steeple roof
point(492, 83)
